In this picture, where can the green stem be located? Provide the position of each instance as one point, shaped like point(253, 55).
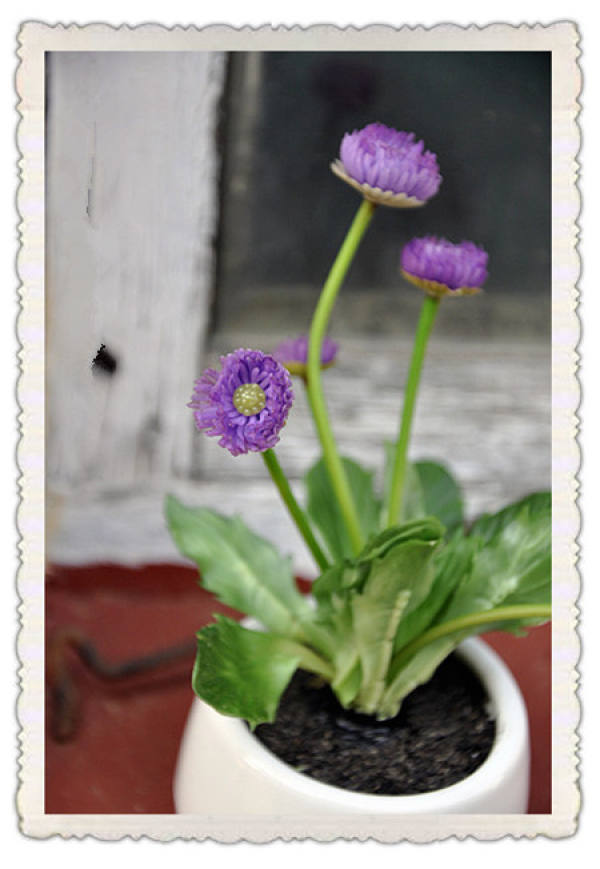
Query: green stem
point(294, 508)
point(500, 614)
point(309, 660)
point(316, 397)
point(426, 320)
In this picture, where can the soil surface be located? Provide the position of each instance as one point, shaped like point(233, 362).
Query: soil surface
point(441, 735)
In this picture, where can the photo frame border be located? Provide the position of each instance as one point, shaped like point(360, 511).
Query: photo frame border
point(561, 39)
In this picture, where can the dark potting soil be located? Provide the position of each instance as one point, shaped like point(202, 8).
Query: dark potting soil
point(441, 735)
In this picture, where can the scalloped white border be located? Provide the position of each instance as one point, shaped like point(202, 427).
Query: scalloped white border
point(561, 38)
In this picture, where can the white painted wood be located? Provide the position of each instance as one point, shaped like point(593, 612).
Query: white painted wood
point(131, 215)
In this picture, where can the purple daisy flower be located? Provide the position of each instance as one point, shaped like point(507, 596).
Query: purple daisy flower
point(293, 353)
point(245, 404)
point(388, 166)
point(442, 268)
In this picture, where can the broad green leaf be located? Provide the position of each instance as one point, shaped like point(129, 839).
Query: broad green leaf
point(424, 663)
point(345, 657)
point(426, 528)
point(332, 592)
point(360, 601)
point(534, 585)
point(512, 563)
point(243, 673)
point(451, 565)
point(441, 494)
point(337, 579)
point(488, 525)
point(430, 490)
point(397, 583)
point(348, 681)
point(244, 571)
point(375, 621)
point(324, 511)
point(351, 574)
point(348, 575)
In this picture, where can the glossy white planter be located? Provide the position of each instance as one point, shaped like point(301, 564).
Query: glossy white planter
point(223, 770)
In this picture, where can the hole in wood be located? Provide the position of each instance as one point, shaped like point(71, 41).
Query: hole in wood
point(104, 362)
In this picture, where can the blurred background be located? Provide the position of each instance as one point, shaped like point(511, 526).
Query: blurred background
point(190, 210)
point(486, 115)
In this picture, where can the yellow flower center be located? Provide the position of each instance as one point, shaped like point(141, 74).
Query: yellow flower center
point(249, 399)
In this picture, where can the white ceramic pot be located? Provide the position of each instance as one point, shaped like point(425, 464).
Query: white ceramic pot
point(223, 770)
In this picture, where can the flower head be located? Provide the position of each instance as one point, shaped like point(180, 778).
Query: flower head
point(293, 353)
point(245, 404)
point(442, 268)
point(388, 166)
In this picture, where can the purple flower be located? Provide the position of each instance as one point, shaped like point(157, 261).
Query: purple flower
point(293, 353)
point(388, 166)
point(442, 268)
point(245, 404)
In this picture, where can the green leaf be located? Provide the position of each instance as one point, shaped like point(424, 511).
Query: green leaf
point(441, 494)
point(451, 565)
point(360, 602)
point(397, 583)
point(346, 662)
point(338, 578)
point(505, 561)
point(430, 490)
point(375, 621)
point(512, 562)
point(539, 504)
point(244, 571)
point(324, 511)
point(243, 673)
point(349, 574)
point(427, 528)
point(348, 680)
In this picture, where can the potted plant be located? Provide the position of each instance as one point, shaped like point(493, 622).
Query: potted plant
point(372, 695)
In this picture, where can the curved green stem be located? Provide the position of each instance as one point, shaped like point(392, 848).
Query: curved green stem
point(296, 512)
point(426, 320)
point(454, 626)
point(309, 660)
point(316, 397)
